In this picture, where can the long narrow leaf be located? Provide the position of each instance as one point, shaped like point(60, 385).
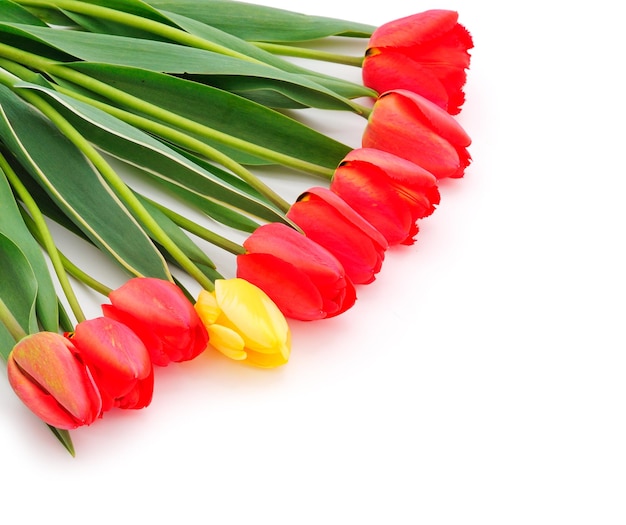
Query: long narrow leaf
point(225, 112)
point(178, 59)
point(159, 161)
point(97, 22)
point(18, 291)
point(261, 23)
point(12, 226)
point(12, 12)
point(76, 187)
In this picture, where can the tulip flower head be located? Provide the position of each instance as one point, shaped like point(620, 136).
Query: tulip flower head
point(390, 192)
point(161, 315)
point(412, 127)
point(244, 323)
point(304, 279)
point(426, 53)
point(46, 373)
point(118, 360)
point(327, 219)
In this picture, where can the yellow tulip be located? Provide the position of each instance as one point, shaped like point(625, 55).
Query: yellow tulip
point(244, 323)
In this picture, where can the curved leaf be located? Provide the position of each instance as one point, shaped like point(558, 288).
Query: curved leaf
point(261, 23)
point(76, 187)
point(171, 58)
point(18, 290)
point(12, 226)
point(100, 24)
point(162, 163)
point(12, 12)
point(225, 112)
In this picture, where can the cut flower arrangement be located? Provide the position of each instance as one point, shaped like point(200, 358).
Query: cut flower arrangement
point(197, 97)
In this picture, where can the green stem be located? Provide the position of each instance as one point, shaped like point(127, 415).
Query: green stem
point(45, 237)
point(201, 231)
point(139, 22)
point(184, 140)
point(11, 324)
point(119, 186)
point(69, 266)
point(171, 33)
point(129, 101)
point(179, 121)
point(84, 277)
point(171, 134)
point(308, 53)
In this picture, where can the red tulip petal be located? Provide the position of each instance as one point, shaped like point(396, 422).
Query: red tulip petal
point(367, 190)
point(48, 377)
point(303, 253)
point(389, 69)
point(324, 224)
point(409, 126)
point(415, 29)
point(350, 215)
point(290, 288)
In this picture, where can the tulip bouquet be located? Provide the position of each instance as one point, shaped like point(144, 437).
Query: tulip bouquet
point(193, 97)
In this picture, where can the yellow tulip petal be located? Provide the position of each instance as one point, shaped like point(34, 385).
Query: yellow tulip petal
point(263, 360)
point(207, 308)
point(255, 315)
point(227, 341)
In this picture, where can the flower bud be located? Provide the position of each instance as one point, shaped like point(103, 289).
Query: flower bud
point(411, 127)
point(244, 323)
point(426, 53)
point(304, 279)
point(392, 193)
point(161, 315)
point(53, 382)
point(118, 360)
point(328, 220)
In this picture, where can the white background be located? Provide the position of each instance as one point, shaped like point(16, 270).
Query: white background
point(479, 379)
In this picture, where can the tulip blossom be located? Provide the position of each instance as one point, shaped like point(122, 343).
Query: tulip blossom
point(390, 192)
point(118, 360)
point(161, 315)
point(412, 127)
point(426, 53)
point(53, 382)
point(244, 324)
point(304, 279)
point(328, 220)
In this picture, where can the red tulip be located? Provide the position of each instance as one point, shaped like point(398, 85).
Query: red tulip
point(388, 191)
point(52, 381)
point(118, 360)
point(161, 315)
point(304, 279)
point(425, 53)
point(411, 127)
point(328, 220)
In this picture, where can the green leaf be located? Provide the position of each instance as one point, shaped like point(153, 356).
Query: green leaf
point(64, 437)
point(97, 23)
point(177, 235)
point(18, 291)
point(12, 12)
point(12, 226)
point(220, 212)
point(76, 187)
point(339, 86)
point(134, 7)
point(261, 23)
point(222, 194)
point(178, 59)
point(225, 112)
